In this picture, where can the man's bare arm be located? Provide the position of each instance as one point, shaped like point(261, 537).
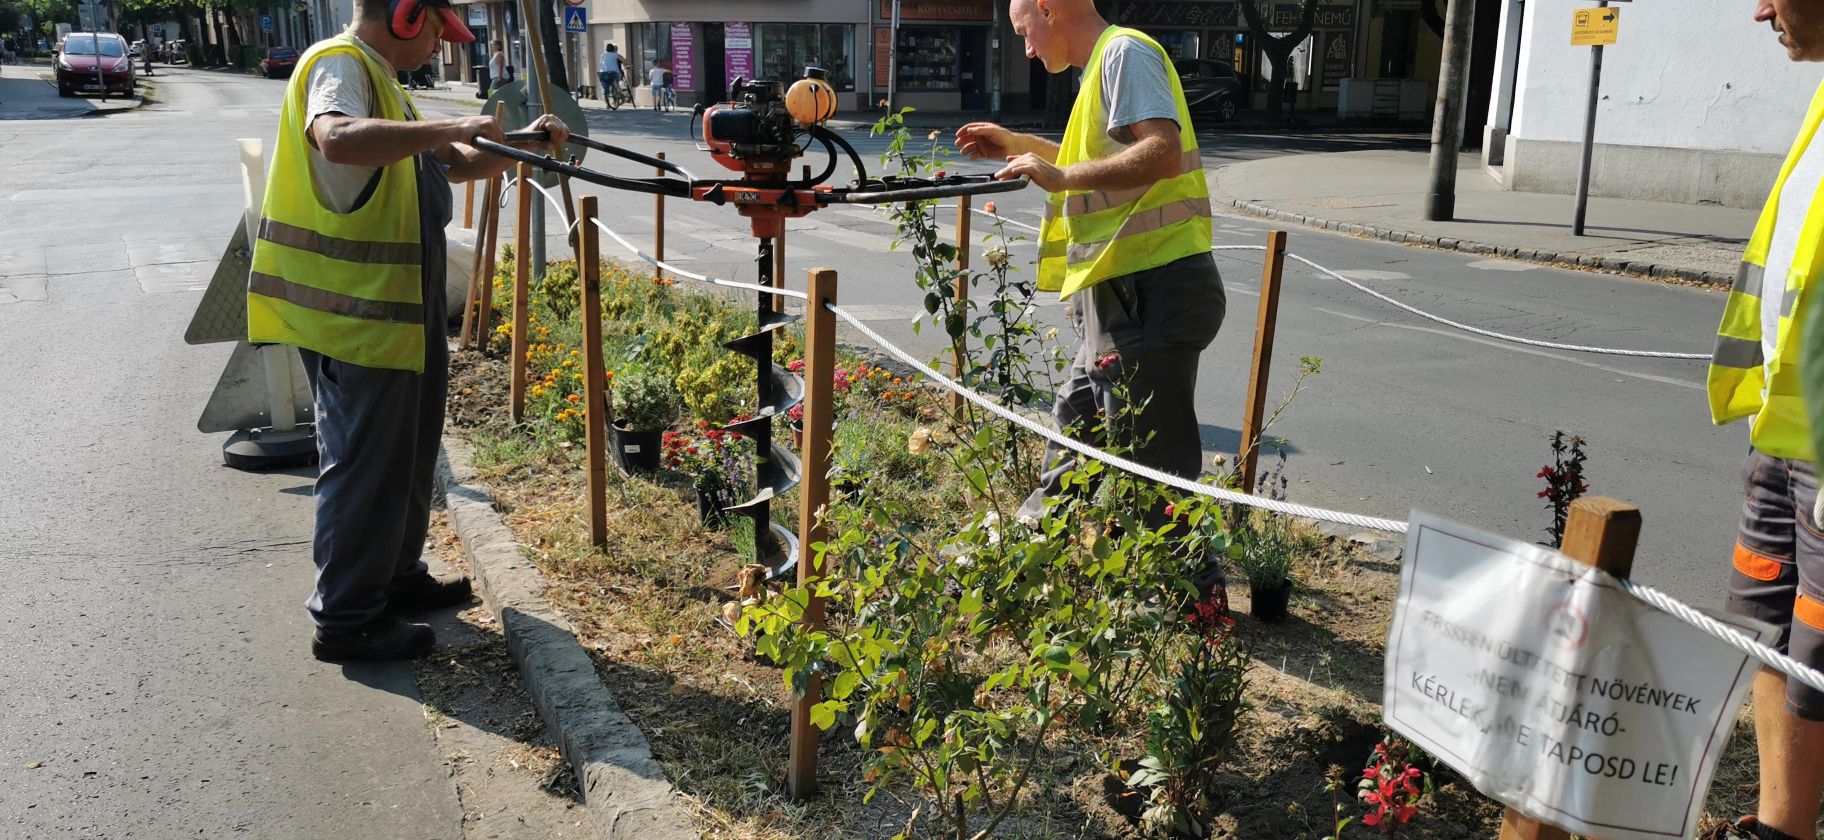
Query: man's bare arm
point(361, 141)
point(1154, 156)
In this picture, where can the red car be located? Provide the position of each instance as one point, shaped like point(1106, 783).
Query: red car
point(279, 61)
point(82, 53)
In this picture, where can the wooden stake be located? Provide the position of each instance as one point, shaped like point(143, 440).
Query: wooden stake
point(468, 205)
point(595, 411)
point(1249, 457)
point(960, 354)
point(813, 496)
point(522, 282)
point(658, 229)
point(1600, 532)
point(477, 318)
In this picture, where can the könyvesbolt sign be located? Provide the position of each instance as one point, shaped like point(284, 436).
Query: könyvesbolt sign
point(1554, 691)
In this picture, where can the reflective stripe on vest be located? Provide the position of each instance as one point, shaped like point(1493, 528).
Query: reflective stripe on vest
point(1742, 382)
point(347, 285)
point(1090, 236)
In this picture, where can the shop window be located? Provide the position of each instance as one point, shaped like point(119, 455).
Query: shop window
point(785, 49)
point(927, 58)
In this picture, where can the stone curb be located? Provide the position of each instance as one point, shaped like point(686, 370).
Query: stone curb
point(1585, 262)
point(624, 789)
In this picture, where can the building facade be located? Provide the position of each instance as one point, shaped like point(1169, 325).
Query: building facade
point(1698, 103)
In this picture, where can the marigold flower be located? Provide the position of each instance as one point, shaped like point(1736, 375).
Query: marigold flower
point(574, 398)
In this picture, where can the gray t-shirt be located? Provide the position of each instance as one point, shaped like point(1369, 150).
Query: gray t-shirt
point(1135, 88)
point(339, 84)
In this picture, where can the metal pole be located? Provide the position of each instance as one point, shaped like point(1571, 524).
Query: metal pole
point(537, 102)
point(521, 291)
point(658, 229)
point(893, 60)
point(960, 362)
point(1447, 116)
point(994, 68)
point(1589, 136)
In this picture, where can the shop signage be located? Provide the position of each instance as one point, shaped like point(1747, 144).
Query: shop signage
point(683, 57)
point(1199, 15)
point(1337, 66)
point(939, 10)
point(738, 50)
point(1554, 691)
point(1285, 15)
point(1595, 27)
point(478, 16)
point(883, 57)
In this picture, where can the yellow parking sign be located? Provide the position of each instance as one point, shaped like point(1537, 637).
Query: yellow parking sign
point(1594, 27)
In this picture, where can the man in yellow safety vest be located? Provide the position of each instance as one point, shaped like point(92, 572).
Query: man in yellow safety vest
point(349, 267)
point(1778, 566)
point(1127, 224)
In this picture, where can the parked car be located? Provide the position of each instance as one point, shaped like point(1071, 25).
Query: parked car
point(1212, 87)
point(79, 56)
point(176, 51)
point(137, 49)
point(279, 61)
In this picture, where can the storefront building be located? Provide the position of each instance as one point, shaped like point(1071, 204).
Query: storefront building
point(707, 44)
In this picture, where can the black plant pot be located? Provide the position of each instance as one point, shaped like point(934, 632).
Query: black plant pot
point(710, 504)
point(1269, 604)
point(636, 451)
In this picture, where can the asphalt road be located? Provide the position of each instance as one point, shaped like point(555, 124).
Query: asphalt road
point(154, 663)
point(155, 676)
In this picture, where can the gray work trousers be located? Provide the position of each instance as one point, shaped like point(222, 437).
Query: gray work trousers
point(1147, 329)
point(378, 432)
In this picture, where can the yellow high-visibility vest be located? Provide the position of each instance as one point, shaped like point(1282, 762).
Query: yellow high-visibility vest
point(1091, 235)
point(346, 285)
point(1742, 382)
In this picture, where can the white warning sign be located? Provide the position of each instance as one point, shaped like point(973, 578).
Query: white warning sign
point(1553, 690)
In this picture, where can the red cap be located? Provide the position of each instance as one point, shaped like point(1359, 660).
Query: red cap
point(454, 30)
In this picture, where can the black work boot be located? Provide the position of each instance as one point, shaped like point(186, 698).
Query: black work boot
point(384, 639)
point(427, 592)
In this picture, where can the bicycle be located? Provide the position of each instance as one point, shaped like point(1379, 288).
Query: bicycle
point(668, 99)
point(617, 95)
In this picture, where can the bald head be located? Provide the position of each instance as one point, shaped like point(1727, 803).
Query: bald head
point(1059, 33)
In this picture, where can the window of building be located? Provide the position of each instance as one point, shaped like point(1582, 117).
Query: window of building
point(785, 49)
point(927, 58)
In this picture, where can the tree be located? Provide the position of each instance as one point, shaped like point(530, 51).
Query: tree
point(1278, 48)
point(553, 44)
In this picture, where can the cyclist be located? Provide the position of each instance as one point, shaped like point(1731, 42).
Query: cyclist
point(610, 72)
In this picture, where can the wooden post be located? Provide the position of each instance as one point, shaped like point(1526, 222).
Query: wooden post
point(1600, 532)
point(522, 281)
point(477, 318)
point(813, 496)
point(1247, 460)
point(960, 355)
point(595, 410)
point(465, 336)
point(468, 205)
point(658, 229)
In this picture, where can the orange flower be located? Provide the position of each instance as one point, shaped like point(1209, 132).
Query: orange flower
point(574, 398)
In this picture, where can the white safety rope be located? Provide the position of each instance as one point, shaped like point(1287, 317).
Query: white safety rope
point(1652, 597)
point(731, 284)
point(1116, 461)
point(555, 201)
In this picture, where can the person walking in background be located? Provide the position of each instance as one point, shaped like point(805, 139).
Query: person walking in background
point(660, 80)
point(497, 70)
point(1769, 337)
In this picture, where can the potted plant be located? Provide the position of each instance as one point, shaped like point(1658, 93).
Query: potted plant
point(1264, 552)
point(716, 462)
point(645, 405)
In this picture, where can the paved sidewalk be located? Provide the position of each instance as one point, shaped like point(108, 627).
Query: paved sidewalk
point(26, 95)
point(1381, 193)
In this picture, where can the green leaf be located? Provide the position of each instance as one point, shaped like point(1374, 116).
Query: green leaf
point(823, 715)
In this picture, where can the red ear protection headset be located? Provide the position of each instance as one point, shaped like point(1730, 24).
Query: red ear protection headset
point(406, 18)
